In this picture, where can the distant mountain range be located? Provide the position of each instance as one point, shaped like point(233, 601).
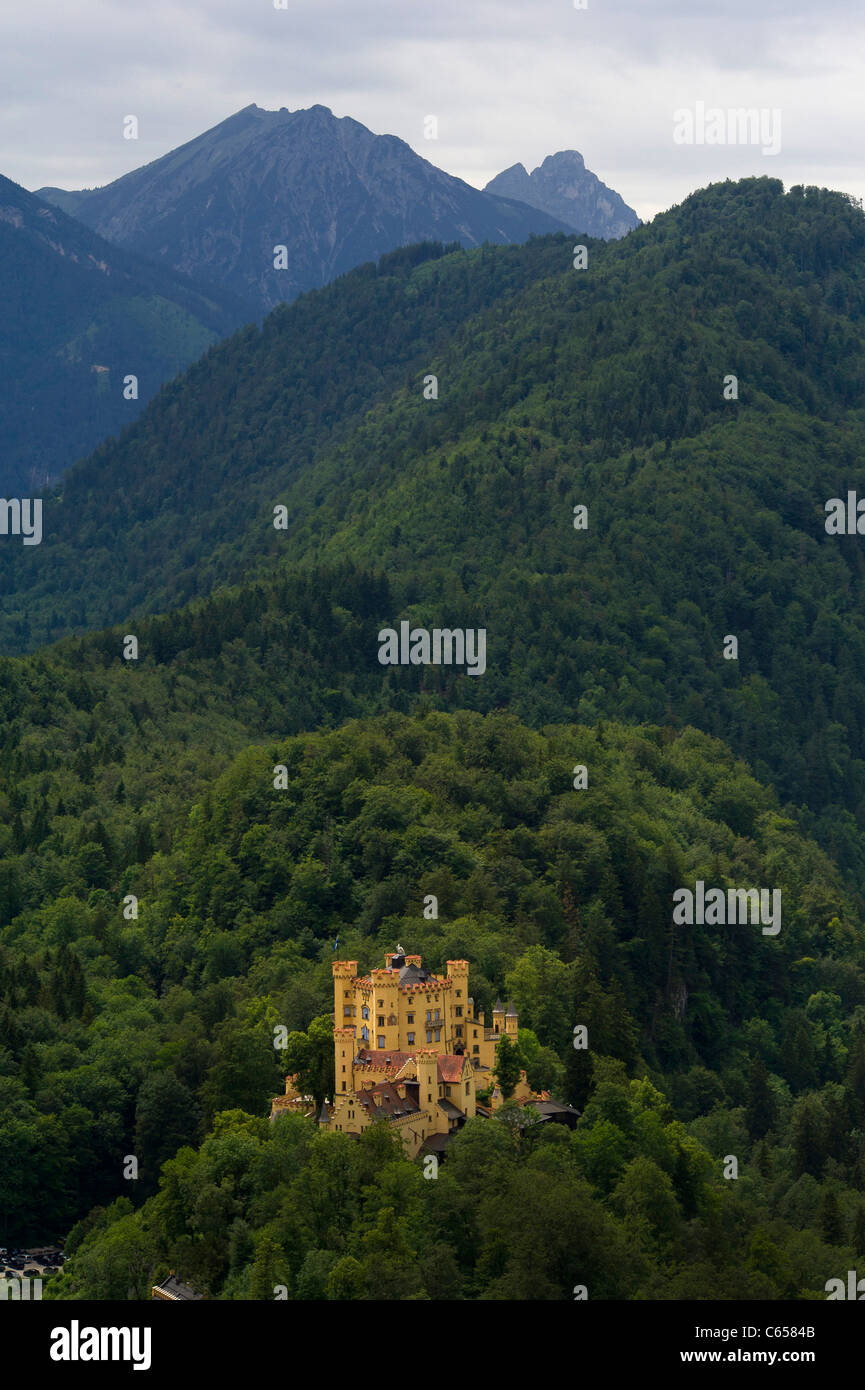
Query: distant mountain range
point(563, 187)
point(142, 276)
point(79, 316)
point(328, 190)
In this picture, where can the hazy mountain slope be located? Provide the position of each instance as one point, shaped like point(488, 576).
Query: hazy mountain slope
point(329, 190)
point(79, 315)
point(628, 353)
point(194, 489)
point(565, 188)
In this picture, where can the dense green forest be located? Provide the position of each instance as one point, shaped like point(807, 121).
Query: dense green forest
point(557, 388)
point(539, 365)
point(137, 1037)
point(153, 1035)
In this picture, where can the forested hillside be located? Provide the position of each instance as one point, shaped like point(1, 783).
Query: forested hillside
point(185, 500)
point(595, 365)
point(153, 777)
point(133, 1037)
point(557, 388)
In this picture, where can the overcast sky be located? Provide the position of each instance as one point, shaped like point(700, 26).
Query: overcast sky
point(509, 80)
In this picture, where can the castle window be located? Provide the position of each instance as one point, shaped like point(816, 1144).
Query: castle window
point(438, 1034)
point(411, 1037)
point(381, 1042)
point(381, 1020)
point(343, 1066)
point(343, 1085)
point(459, 1010)
point(447, 1090)
point(428, 1015)
point(410, 1018)
point(459, 994)
point(459, 1030)
point(364, 1033)
point(364, 1013)
point(475, 1048)
point(437, 1013)
point(347, 1011)
point(467, 1087)
point(429, 1035)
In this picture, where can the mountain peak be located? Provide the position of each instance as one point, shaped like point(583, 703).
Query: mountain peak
point(564, 159)
point(317, 192)
point(518, 169)
point(566, 189)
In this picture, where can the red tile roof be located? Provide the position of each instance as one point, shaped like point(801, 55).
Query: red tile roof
point(382, 1060)
point(451, 1067)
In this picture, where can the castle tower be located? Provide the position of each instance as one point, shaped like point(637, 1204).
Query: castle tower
point(427, 1075)
point(344, 974)
point(343, 1061)
point(458, 1005)
point(511, 1022)
point(384, 1030)
point(499, 1016)
point(344, 1013)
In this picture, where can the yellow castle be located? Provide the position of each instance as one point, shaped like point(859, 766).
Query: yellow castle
point(409, 1048)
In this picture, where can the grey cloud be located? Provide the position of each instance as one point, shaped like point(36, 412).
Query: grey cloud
point(509, 80)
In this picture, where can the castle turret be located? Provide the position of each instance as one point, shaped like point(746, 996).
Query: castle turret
point(343, 1060)
point(344, 974)
point(458, 1008)
point(511, 1021)
point(384, 1010)
point(499, 1016)
point(427, 1075)
point(344, 1013)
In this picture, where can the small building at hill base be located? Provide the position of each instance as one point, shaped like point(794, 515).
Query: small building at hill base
point(171, 1290)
